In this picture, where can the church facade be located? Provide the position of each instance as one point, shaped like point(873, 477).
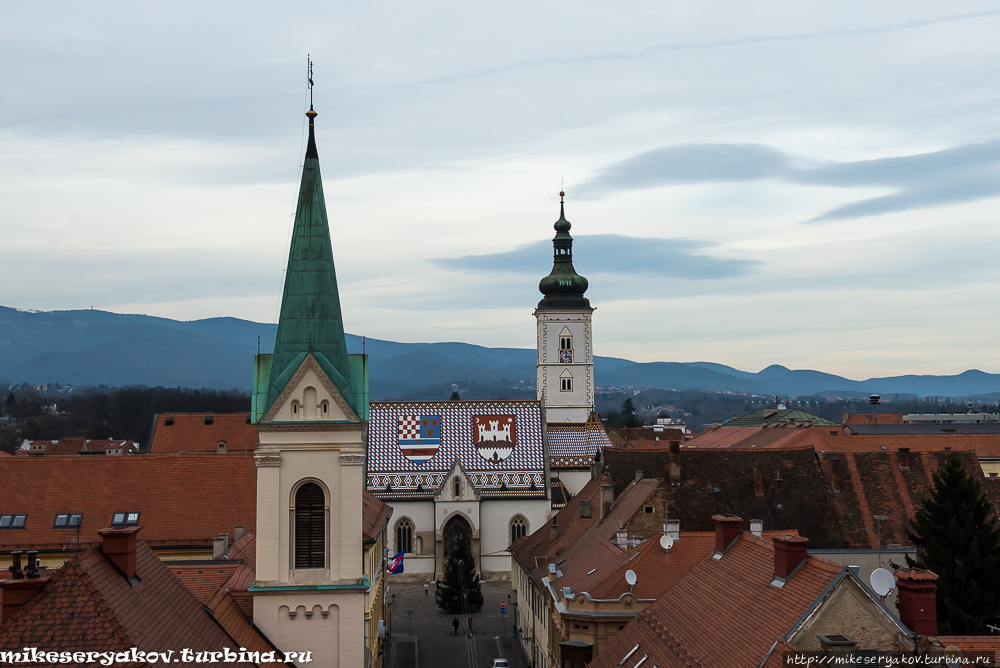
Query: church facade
point(493, 470)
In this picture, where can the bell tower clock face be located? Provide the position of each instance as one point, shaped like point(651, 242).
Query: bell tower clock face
point(566, 356)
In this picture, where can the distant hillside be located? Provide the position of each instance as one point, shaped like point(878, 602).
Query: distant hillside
point(97, 347)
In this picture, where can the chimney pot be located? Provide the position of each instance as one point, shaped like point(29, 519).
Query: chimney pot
point(607, 498)
point(220, 545)
point(904, 459)
point(789, 553)
point(238, 533)
point(585, 508)
point(118, 545)
point(757, 528)
point(916, 593)
point(638, 475)
point(15, 593)
point(727, 529)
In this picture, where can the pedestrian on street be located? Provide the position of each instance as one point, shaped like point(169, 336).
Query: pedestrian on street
point(454, 626)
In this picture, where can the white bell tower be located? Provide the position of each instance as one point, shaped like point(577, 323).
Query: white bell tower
point(565, 363)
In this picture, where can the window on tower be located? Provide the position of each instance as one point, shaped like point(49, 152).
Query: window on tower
point(310, 526)
point(566, 349)
point(566, 384)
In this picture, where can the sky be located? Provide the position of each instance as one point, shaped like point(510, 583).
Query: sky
point(799, 183)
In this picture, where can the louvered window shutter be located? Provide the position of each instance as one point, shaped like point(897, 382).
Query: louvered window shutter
point(310, 527)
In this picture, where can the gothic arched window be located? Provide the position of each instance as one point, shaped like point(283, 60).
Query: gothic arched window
point(310, 526)
point(404, 536)
point(518, 528)
point(458, 488)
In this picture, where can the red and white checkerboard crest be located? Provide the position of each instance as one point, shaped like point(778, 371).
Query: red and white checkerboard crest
point(419, 436)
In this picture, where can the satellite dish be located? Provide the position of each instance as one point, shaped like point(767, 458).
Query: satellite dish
point(630, 577)
point(952, 656)
point(666, 541)
point(882, 581)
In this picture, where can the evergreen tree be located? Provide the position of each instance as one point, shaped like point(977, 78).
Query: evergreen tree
point(957, 537)
point(11, 399)
point(460, 579)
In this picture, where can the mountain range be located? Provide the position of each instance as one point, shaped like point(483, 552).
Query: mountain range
point(91, 347)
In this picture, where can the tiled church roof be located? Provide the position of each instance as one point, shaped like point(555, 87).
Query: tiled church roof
point(573, 444)
point(391, 474)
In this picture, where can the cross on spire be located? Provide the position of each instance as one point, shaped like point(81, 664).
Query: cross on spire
point(309, 77)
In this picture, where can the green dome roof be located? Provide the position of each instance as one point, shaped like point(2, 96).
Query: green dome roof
point(563, 287)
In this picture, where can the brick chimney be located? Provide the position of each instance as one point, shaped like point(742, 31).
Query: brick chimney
point(917, 596)
point(789, 553)
point(15, 593)
point(675, 462)
point(584, 507)
point(835, 474)
point(220, 545)
point(607, 498)
point(553, 531)
point(904, 459)
point(727, 529)
point(118, 545)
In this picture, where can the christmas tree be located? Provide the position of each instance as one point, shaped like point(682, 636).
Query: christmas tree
point(957, 537)
point(459, 591)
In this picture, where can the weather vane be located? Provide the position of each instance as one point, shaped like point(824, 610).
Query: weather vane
point(310, 63)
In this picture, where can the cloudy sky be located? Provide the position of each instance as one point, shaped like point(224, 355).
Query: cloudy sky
point(802, 183)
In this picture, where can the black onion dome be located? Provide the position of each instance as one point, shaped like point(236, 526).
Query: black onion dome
point(563, 287)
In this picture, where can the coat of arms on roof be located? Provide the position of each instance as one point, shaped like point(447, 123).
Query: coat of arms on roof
point(494, 435)
point(419, 436)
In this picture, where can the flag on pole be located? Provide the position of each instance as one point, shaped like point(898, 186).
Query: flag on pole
point(395, 564)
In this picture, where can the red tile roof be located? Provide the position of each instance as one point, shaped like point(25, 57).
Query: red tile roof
point(182, 499)
point(724, 612)
point(972, 644)
point(644, 437)
point(204, 580)
point(189, 433)
point(374, 516)
point(88, 605)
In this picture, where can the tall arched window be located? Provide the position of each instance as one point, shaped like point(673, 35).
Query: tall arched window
point(458, 488)
point(310, 526)
point(404, 536)
point(518, 528)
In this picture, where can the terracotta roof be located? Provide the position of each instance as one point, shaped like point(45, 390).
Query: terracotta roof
point(77, 446)
point(741, 482)
point(374, 516)
point(182, 499)
point(723, 612)
point(204, 580)
point(876, 418)
point(189, 433)
point(592, 557)
point(88, 605)
point(873, 483)
point(644, 437)
point(972, 644)
point(777, 436)
point(529, 550)
point(984, 445)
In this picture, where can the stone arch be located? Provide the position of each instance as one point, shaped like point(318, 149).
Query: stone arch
point(517, 527)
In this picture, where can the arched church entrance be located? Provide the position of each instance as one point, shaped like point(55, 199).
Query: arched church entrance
point(456, 526)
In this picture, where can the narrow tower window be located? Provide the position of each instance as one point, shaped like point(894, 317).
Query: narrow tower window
point(310, 527)
point(566, 384)
point(458, 488)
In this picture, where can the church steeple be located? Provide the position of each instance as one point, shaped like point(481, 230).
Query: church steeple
point(310, 320)
point(563, 287)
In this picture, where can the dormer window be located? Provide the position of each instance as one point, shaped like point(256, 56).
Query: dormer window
point(222, 448)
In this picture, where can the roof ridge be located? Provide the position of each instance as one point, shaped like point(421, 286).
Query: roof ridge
point(99, 599)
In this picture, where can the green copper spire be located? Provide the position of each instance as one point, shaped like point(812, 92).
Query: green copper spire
point(563, 287)
point(310, 320)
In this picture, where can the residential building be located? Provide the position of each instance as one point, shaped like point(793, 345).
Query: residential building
point(221, 433)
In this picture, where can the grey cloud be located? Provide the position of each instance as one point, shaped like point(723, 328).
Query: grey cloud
point(955, 175)
point(611, 254)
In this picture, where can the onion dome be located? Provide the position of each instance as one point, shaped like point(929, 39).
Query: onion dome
point(563, 287)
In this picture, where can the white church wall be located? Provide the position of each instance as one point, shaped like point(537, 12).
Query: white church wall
point(496, 515)
point(574, 480)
